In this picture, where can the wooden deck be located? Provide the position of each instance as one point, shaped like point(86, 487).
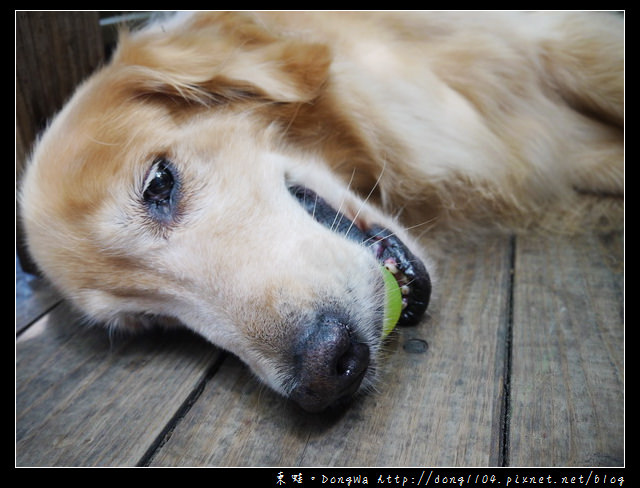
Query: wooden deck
point(520, 363)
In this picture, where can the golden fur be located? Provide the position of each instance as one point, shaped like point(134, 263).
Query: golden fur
point(446, 118)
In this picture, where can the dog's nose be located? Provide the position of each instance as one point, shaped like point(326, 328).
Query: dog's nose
point(330, 364)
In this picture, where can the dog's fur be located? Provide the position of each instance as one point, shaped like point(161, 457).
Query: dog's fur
point(438, 119)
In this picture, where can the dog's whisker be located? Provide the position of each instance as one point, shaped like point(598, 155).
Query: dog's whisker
point(334, 224)
point(426, 222)
point(373, 238)
point(104, 143)
point(383, 231)
point(423, 232)
point(315, 205)
point(364, 202)
point(291, 121)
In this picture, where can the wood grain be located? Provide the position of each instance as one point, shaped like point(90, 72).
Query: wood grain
point(85, 399)
point(567, 385)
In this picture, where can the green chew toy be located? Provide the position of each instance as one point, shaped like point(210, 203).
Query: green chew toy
point(393, 304)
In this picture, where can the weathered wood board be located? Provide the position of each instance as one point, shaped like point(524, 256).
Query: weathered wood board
point(567, 378)
point(85, 399)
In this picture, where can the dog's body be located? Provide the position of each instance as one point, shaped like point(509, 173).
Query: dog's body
point(210, 172)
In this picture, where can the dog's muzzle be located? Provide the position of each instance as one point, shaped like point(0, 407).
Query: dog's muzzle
point(330, 361)
point(386, 247)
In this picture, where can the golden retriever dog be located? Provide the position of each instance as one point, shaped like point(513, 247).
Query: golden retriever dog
point(247, 175)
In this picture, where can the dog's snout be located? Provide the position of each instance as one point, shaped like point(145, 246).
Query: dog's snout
point(330, 364)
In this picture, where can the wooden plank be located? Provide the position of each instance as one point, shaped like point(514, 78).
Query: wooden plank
point(436, 407)
point(85, 398)
point(567, 387)
point(34, 297)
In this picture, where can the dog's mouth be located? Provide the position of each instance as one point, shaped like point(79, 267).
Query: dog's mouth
point(387, 248)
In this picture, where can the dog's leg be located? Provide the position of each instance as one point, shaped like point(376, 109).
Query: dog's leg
point(583, 60)
point(598, 159)
point(584, 57)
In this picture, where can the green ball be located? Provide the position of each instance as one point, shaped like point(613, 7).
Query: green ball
point(393, 303)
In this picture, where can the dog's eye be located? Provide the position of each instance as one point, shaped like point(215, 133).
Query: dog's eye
point(160, 190)
point(159, 184)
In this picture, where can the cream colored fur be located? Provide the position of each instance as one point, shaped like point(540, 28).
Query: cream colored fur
point(440, 120)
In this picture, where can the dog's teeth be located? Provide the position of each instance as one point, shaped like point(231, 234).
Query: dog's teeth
point(405, 302)
point(390, 264)
point(405, 290)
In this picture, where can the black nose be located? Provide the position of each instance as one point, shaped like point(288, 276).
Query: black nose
point(330, 364)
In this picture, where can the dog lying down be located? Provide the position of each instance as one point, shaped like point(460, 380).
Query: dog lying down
point(245, 174)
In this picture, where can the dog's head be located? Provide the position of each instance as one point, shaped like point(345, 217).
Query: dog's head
point(169, 187)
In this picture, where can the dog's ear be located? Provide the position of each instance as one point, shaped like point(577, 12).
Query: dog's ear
point(219, 55)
